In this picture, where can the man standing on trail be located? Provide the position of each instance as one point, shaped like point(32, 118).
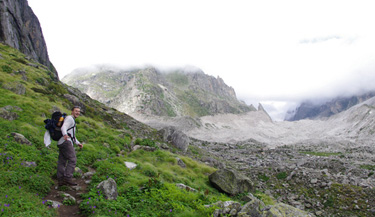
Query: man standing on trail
point(67, 156)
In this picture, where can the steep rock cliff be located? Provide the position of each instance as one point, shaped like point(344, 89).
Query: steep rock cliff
point(20, 29)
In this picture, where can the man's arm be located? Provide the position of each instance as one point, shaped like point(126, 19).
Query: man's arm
point(68, 123)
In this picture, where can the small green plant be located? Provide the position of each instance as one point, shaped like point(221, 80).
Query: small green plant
point(281, 175)
point(367, 167)
point(145, 142)
point(69, 202)
point(263, 177)
point(6, 69)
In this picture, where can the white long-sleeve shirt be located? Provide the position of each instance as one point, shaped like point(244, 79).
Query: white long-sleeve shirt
point(68, 123)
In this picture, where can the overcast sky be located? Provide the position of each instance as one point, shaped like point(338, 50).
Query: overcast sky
point(274, 52)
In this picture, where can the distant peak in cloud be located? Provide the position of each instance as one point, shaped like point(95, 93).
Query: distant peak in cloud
point(320, 39)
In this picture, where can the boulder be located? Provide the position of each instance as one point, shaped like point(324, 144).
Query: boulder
point(282, 210)
point(252, 207)
point(176, 137)
point(146, 148)
point(230, 208)
point(21, 139)
point(130, 165)
point(109, 188)
point(230, 182)
point(8, 114)
point(180, 162)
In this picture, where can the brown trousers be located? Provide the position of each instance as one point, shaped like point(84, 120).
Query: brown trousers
point(67, 160)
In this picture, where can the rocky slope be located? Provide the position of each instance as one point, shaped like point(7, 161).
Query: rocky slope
point(150, 92)
point(310, 110)
point(20, 29)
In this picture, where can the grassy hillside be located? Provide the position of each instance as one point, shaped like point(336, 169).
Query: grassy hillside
point(29, 95)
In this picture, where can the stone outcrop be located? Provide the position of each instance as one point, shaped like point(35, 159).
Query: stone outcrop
point(109, 188)
point(21, 139)
point(20, 28)
point(9, 112)
point(256, 208)
point(230, 182)
point(176, 138)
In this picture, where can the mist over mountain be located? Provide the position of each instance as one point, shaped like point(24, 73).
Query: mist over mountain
point(149, 91)
point(322, 109)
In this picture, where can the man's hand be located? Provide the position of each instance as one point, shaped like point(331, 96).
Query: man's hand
point(66, 137)
point(80, 146)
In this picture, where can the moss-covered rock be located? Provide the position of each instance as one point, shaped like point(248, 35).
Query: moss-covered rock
point(230, 182)
point(284, 210)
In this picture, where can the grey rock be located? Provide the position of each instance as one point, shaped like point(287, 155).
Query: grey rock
point(67, 197)
point(109, 188)
point(130, 165)
point(15, 88)
point(281, 210)
point(180, 163)
point(230, 182)
point(253, 207)
point(88, 175)
point(75, 101)
point(8, 114)
point(54, 204)
point(21, 139)
point(30, 164)
point(176, 138)
point(76, 188)
point(188, 188)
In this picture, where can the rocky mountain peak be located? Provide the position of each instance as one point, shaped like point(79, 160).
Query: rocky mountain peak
point(20, 29)
point(174, 93)
point(311, 110)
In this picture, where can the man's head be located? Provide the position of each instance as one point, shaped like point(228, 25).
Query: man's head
point(76, 111)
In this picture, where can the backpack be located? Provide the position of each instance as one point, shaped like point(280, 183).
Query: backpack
point(54, 125)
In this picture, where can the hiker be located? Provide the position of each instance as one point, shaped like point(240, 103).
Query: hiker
point(67, 156)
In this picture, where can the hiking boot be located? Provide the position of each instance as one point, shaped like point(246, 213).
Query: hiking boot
point(61, 182)
point(70, 182)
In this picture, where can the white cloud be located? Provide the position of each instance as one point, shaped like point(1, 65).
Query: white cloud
point(268, 51)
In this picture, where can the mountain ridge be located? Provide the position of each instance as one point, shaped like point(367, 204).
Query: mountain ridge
point(310, 110)
point(148, 91)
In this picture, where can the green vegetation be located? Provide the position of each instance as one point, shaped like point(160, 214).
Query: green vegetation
point(282, 175)
point(178, 78)
point(322, 154)
point(148, 190)
point(368, 167)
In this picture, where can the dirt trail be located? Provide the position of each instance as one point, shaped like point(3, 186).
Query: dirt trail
point(68, 210)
